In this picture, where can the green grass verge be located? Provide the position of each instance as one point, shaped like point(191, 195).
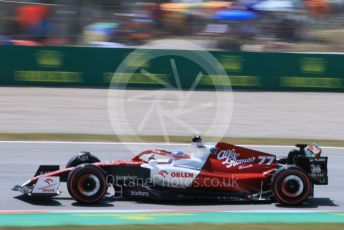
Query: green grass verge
point(148, 139)
point(195, 226)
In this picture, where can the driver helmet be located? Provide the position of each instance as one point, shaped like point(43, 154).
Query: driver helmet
point(313, 150)
point(178, 153)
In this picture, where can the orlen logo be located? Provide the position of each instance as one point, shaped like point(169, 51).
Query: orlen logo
point(163, 173)
point(48, 181)
point(46, 185)
point(182, 174)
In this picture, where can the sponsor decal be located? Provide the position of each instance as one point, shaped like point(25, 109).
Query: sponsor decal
point(313, 65)
point(231, 159)
point(316, 150)
point(49, 58)
point(182, 174)
point(245, 166)
point(84, 156)
point(318, 159)
point(318, 174)
point(163, 173)
point(139, 193)
point(48, 181)
point(47, 76)
point(49, 187)
point(315, 169)
point(48, 190)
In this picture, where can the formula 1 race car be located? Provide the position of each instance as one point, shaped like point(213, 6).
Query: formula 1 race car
point(223, 172)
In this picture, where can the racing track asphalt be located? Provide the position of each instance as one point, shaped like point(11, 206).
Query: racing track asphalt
point(19, 161)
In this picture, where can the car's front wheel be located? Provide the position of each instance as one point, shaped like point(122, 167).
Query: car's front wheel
point(87, 184)
point(291, 186)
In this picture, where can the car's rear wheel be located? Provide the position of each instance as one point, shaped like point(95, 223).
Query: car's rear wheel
point(291, 186)
point(87, 184)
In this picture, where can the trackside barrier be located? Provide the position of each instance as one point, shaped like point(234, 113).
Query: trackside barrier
point(96, 67)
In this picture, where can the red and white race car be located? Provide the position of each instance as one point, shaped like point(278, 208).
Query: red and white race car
point(224, 172)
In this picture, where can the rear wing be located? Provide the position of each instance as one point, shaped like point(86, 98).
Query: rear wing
point(316, 168)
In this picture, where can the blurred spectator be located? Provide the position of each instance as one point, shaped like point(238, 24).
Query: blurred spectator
point(216, 24)
point(157, 15)
point(317, 8)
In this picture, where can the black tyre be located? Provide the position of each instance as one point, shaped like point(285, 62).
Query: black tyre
point(87, 184)
point(82, 158)
point(291, 186)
